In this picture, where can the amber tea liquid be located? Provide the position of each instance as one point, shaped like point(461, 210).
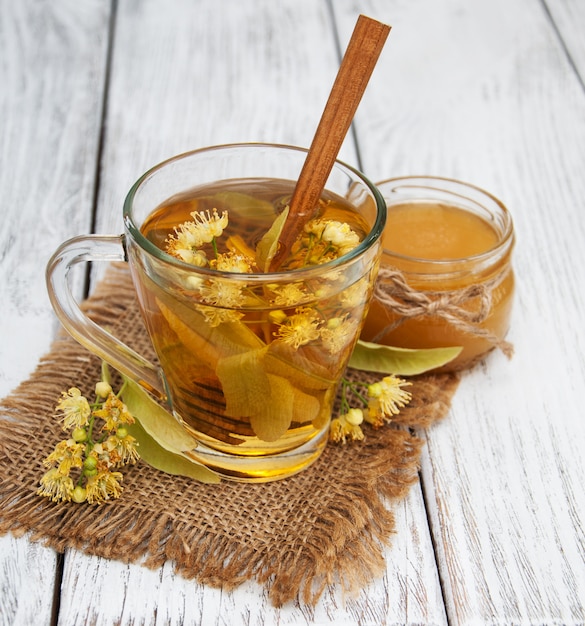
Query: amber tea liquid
point(236, 383)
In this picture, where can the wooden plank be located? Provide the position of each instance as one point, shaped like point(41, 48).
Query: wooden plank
point(568, 17)
point(483, 92)
point(185, 76)
point(52, 73)
point(129, 594)
point(28, 574)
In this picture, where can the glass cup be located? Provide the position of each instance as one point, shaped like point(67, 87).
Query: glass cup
point(248, 362)
point(446, 279)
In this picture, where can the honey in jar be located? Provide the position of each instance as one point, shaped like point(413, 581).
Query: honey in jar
point(446, 277)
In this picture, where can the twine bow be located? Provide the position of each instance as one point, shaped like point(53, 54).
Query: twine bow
point(397, 296)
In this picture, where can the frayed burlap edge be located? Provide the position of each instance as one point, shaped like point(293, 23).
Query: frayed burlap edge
point(327, 525)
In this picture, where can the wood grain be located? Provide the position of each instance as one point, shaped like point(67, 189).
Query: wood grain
point(502, 476)
point(489, 91)
point(52, 72)
point(280, 89)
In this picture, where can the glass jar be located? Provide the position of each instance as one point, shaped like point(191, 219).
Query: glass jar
point(446, 277)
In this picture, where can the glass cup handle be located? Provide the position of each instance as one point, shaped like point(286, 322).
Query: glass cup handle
point(85, 331)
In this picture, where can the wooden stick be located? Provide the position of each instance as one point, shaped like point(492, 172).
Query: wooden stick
point(358, 63)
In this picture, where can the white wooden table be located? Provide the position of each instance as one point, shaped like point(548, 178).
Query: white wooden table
point(94, 92)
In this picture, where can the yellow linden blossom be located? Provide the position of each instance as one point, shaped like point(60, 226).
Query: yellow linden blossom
point(75, 409)
point(103, 486)
point(340, 235)
point(289, 294)
point(322, 241)
point(232, 262)
point(337, 333)
point(189, 236)
point(214, 316)
point(300, 328)
point(66, 455)
point(355, 294)
point(81, 467)
point(210, 225)
point(193, 257)
point(315, 227)
point(223, 293)
point(347, 426)
point(386, 399)
point(56, 486)
point(114, 413)
point(124, 445)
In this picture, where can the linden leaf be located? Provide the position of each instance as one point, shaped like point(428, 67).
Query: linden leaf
point(324, 413)
point(272, 416)
point(306, 407)
point(244, 382)
point(302, 372)
point(161, 425)
point(266, 400)
point(171, 463)
point(243, 204)
point(268, 245)
point(208, 342)
point(373, 357)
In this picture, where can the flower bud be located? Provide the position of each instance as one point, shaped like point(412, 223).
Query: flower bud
point(354, 417)
point(103, 389)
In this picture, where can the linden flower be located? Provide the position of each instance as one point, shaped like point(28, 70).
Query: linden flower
point(210, 226)
point(81, 468)
point(386, 398)
point(315, 227)
point(124, 445)
point(300, 328)
point(103, 486)
point(341, 236)
point(189, 236)
point(75, 409)
point(338, 333)
point(67, 454)
point(214, 316)
point(289, 294)
point(56, 486)
point(193, 257)
point(355, 294)
point(347, 426)
point(223, 293)
point(114, 413)
point(233, 262)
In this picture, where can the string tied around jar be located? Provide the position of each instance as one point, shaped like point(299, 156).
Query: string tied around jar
point(395, 294)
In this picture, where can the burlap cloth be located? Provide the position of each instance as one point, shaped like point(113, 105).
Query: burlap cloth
point(326, 525)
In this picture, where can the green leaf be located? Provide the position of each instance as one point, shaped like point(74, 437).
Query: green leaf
point(244, 382)
point(161, 425)
point(268, 245)
point(263, 399)
point(272, 416)
point(253, 208)
point(373, 357)
point(160, 458)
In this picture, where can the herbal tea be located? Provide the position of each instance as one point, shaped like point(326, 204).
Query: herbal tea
point(253, 366)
